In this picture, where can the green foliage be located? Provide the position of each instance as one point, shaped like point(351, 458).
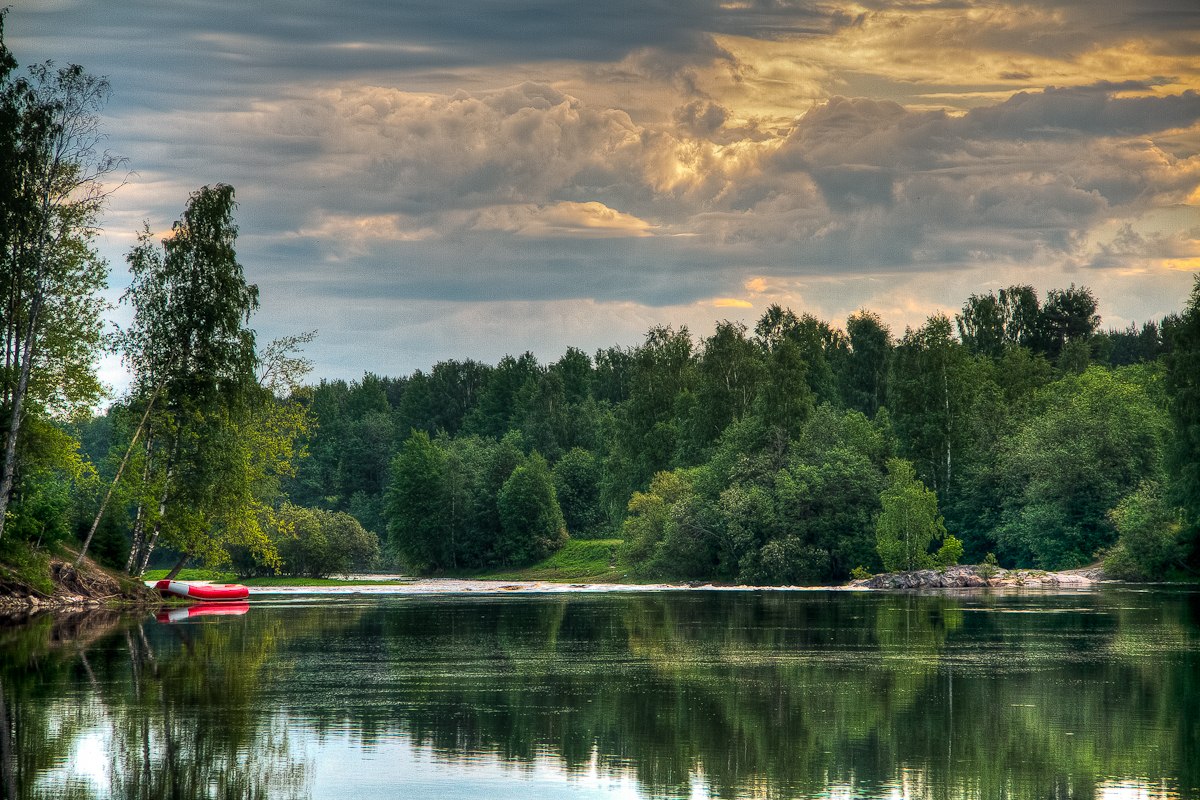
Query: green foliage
point(577, 480)
point(864, 374)
point(930, 391)
point(416, 525)
point(1183, 391)
point(217, 443)
point(531, 521)
point(989, 567)
point(860, 573)
point(317, 543)
point(908, 522)
point(949, 553)
point(23, 563)
point(786, 401)
point(51, 277)
point(1149, 528)
point(1091, 441)
point(658, 537)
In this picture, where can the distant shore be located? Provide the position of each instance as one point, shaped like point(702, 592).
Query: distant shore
point(93, 586)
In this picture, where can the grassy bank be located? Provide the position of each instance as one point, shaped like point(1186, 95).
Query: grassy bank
point(578, 561)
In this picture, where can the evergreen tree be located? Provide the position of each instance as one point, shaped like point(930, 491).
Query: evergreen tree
point(531, 520)
point(417, 527)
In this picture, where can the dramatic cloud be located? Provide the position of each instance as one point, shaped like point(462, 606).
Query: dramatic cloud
point(423, 181)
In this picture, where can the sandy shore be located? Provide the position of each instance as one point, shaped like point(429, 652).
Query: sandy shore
point(428, 586)
point(954, 578)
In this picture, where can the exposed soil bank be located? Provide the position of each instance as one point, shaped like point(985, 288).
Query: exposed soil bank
point(88, 586)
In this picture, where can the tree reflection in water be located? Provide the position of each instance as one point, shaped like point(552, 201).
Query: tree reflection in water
point(754, 694)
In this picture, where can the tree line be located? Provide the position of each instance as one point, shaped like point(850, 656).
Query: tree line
point(793, 452)
point(789, 452)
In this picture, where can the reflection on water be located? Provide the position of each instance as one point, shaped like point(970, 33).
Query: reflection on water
point(634, 695)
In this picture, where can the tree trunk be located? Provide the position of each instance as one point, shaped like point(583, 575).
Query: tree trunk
point(162, 510)
point(178, 566)
point(149, 549)
point(139, 533)
point(108, 495)
point(946, 396)
point(14, 423)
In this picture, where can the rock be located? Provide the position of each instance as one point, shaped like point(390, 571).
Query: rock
point(968, 576)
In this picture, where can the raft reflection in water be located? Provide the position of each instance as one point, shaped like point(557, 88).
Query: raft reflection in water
point(172, 615)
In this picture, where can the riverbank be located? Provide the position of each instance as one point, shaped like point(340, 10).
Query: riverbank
point(959, 577)
point(33, 581)
point(57, 584)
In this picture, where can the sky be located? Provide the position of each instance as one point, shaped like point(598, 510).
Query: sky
point(421, 181)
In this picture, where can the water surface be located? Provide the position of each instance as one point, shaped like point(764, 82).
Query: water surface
point(665, 694)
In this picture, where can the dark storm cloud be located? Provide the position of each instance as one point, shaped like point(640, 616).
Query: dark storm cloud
point(1086, 110)
point(370, 35)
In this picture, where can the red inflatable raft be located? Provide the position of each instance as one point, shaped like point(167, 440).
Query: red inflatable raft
point(204, 591)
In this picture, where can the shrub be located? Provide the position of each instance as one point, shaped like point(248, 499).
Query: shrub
point(950, 552)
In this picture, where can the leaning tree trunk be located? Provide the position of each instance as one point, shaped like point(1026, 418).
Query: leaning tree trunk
point(162, 511)
point(178, 566)
point(116, 478)
point(145, 562)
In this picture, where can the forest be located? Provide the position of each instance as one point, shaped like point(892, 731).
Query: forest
point(1017, 431)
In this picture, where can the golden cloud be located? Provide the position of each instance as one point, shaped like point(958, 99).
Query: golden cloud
point(563, 220)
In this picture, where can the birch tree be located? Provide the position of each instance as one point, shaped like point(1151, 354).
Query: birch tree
point(51, 194)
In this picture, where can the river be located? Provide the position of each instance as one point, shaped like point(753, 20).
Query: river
point(700, 694)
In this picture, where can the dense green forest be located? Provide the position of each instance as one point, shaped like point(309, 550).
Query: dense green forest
point(793, 452)
point(774, 455)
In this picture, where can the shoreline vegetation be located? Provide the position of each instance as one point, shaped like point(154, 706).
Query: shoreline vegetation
point(788, 451)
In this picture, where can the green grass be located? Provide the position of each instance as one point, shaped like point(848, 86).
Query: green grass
point(577, 561)
point(192, 575)
point(270, 580)
point(302, 581)
point(23, 564)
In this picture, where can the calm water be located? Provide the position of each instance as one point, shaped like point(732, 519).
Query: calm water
point(680, 694)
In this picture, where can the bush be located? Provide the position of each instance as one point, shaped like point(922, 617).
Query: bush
point(1149, 535)
point(322, 543)
point(950, 552)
